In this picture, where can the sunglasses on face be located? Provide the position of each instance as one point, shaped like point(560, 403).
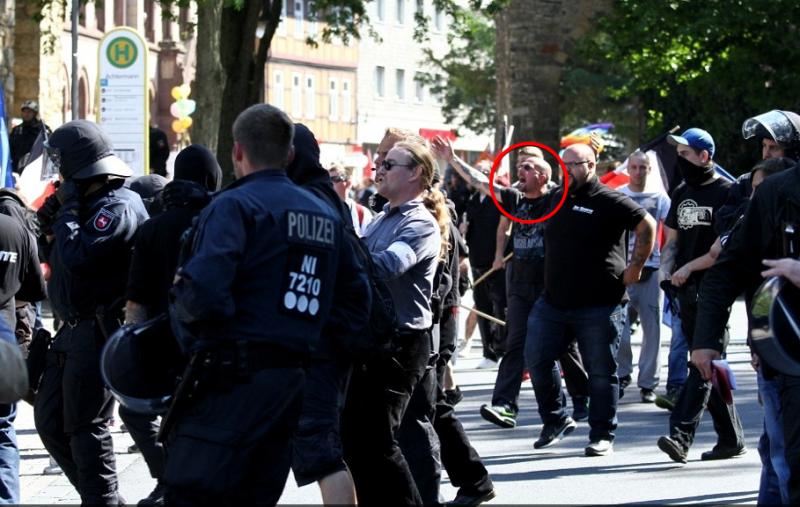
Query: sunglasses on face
point(388, 165)
point(338, 179)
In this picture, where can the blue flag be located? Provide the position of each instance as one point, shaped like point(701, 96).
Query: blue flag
point(6, 177)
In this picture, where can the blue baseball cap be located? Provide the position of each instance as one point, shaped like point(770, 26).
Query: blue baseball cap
point(698, 139)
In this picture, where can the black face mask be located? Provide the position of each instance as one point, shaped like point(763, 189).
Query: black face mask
point(692, 174)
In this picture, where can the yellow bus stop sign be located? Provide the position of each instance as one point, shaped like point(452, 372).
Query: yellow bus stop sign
point(122, 52)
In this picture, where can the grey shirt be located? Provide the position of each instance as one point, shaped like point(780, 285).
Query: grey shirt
point(404, 243)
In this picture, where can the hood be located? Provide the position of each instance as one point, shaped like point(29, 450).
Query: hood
point(305, 167)
point(197, 163)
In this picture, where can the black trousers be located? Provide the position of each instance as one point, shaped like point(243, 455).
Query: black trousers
point(377, 398)
point(72, 412)
point(521, 297)
point(698, 393)
point(490, 297)
point(234, 445)
point(144, 431)
point(460, 459)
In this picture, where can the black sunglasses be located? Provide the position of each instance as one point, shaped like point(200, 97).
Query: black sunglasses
point(388, 166)
point(338, 179)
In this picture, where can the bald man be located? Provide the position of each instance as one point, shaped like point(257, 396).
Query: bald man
point(585, 277)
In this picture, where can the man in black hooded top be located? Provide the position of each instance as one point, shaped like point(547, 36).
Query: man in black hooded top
point(155, 260)
point(317, 446)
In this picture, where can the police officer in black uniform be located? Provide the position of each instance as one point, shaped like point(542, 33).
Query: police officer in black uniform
point(760, 235)
point(89, 225)
point(23, 136)
point(251, 301)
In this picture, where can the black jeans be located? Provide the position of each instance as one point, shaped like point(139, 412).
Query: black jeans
point(490, 297)
point(698, 393)
point(144, 431)
point(72, 411)
point(521, 297)
point(233, 446)
point(377, 398)
point(460, 459)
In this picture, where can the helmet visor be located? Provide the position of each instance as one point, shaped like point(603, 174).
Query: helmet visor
point(773, 124)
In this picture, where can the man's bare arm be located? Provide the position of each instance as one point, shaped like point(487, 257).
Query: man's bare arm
point(668, 253)
point(474, 177)
point(500, 245)
point(645, 239)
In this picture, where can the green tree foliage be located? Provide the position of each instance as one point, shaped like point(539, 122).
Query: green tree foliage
point(710, 64)
point(465, 76)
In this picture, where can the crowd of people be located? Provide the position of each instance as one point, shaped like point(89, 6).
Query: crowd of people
point(289, 322)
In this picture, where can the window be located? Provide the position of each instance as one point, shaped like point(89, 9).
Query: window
point(297, 97)
point(149, 21)
point(380, 10)
point(333, 100)
point(438, 20)
point(400, 84)
point(311, 97)
point(100, 15)
point(312, 20)
point(298, 19)
point(420, 6)
point(277, 90)
point(419, 89)
point(380, 75)
point(346, 100)
point(282, 24)
point(401, 11)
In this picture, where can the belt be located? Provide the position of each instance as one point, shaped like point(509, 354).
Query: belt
point(243, 358)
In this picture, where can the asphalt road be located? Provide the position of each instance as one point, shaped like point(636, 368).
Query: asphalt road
point(637, 472)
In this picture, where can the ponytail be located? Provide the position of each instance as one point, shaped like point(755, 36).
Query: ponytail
point(435, 203)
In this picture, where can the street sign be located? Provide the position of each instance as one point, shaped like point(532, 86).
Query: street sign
point(122, 98)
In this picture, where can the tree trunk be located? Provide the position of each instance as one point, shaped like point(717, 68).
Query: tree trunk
point(210, 76)
point(534, 41)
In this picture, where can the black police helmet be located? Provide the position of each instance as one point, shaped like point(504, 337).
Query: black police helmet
point(775, 325)
point(140, 365)
point(81, 150)
point(783, 127)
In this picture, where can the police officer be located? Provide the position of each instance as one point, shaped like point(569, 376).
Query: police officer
point(89, 226)
point(758, 237)
point(155, 259)
point(250, 300)
point(22, 137)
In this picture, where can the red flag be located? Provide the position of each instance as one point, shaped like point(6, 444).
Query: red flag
point(366, 171)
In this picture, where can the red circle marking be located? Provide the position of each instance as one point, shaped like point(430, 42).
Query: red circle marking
point(496, 164)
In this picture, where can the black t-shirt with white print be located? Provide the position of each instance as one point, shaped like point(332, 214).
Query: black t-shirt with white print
point(693, 214)
point(527, 240)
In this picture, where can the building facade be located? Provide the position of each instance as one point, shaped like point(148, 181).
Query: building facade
point(316, 86)
point(389, 95)
point(41, 67)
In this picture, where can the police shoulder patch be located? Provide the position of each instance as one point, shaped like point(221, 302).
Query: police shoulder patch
point(103, 219)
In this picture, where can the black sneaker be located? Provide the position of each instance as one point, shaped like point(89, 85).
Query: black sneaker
point(553, 433)
point(501, 415)
point(580, 408)
point(623, 383)
point(674, 450)
point(156, 497)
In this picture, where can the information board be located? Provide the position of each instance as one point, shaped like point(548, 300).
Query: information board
point(122, 98)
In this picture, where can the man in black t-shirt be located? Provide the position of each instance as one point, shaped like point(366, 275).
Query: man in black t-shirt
point(153, 266)
point(526, 201)
point(585, 277)
point(690, 232)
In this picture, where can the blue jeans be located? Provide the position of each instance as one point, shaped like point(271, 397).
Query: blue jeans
point(9, 456)
point(678, 364)
point(774, 487)
point(598, 331)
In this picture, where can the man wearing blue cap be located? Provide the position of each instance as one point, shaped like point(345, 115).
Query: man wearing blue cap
point(690, 231)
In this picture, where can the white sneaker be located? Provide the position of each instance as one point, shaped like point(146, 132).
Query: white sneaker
point(464, 349)
point(486, 364)
point(599, 448)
